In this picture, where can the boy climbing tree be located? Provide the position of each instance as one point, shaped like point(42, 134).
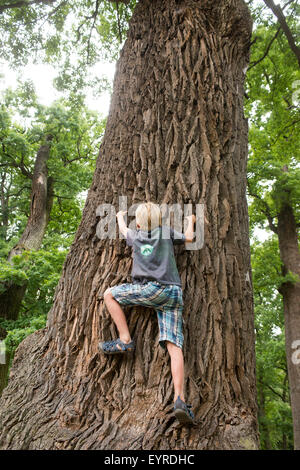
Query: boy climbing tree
point(156, 283)
point(175, 131)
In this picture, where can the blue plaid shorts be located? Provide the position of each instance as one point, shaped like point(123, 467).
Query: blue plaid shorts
point(165, 299)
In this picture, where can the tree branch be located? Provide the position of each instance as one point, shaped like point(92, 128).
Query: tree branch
point(24, 3)
point(20, 166)
point(272, 389)
point(119, 24)
point(252, 64)
point(47, 16)
point(17, 194)
point(284, 129)
point(266, 211)
point(277, 10)
point(94, 18)
point(266, 51)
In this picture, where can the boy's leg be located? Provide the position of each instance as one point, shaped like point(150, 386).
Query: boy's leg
point(182, 411)
point(130, 295)
point(177, 369)
point(118, 316)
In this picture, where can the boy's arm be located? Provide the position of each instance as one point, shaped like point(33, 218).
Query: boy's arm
point(189, 233)
point(121, 222)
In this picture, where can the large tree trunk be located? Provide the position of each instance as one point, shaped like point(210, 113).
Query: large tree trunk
point(290, 256)
point(175, 133)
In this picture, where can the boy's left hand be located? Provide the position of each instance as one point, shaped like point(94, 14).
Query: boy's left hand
point(121, 213)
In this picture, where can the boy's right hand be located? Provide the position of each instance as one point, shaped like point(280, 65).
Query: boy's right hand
point(189, 232)
point(191, 217)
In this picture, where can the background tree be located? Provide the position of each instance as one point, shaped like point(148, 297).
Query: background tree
point(175, 131)
point(274, 410)
point(273, 175)
point(278, 12)
point(66, 35)
point(35, 175)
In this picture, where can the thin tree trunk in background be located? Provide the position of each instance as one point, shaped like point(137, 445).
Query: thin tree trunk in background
point(4, 369)
point(290, 256)
point(41, 203)
point(175, 133)
point(286, 399)
point(4, 362)
point(32, 237)
point(278, 12)
point(262, 413)
point(4, 207)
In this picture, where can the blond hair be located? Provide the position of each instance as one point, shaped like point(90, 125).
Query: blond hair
point(148, 216)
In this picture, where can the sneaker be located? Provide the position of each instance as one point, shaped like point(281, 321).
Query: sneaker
point(183, 412)
point(116, 347)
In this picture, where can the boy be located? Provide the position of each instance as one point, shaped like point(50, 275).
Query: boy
point(156, 284)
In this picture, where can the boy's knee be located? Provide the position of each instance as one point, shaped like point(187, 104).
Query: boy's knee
point(107, 294)
point(172, 347)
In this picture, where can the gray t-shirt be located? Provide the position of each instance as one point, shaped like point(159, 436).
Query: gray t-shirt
point(153, 255)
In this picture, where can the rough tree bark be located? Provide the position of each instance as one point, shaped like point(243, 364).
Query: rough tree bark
point(290, 257)
point(175, 133)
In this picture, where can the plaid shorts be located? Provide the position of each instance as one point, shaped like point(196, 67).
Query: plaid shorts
point(165, 299)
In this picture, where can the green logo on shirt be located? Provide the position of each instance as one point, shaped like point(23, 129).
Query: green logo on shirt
point(146, 250)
